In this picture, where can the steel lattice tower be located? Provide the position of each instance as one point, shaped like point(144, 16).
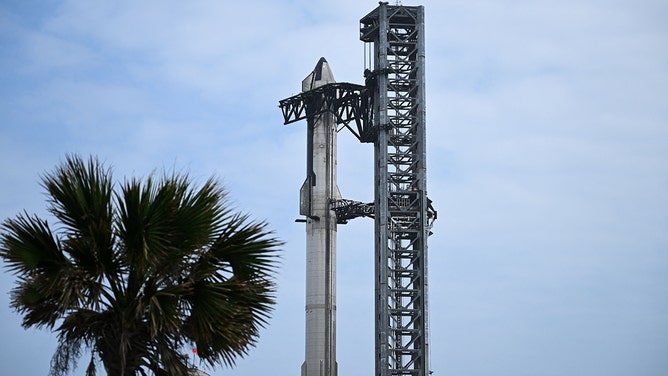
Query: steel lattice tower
point(388, 111)
point(401, 204)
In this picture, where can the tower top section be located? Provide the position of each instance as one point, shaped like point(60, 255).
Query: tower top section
point(406, 18)
point(321, 75)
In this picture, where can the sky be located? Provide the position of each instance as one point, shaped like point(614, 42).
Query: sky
point(547, 127)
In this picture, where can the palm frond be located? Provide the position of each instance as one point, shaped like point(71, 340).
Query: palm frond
point(38, 308)
point(91, 370)
point(164, 309)
point(247, 248)
point(199, 212)
point(80, 197)
point(79, 191)
point(28, 246)
point(65, 358)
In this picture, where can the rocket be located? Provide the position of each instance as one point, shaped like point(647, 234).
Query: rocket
point(315, 197)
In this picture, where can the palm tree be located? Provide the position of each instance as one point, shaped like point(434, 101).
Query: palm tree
point(137, 273)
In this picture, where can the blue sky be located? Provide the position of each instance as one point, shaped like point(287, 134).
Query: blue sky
point(547, 162)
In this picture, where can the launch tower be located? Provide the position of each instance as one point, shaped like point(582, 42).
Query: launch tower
point(388, 111)
point(402, 220)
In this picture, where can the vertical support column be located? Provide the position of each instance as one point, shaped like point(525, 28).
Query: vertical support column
point(382, 324)
point(421, 131)
point(400, 189)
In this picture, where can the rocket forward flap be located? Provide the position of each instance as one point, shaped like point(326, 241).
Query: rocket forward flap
point(337, 193)
point(320, 76)
point(305, 199)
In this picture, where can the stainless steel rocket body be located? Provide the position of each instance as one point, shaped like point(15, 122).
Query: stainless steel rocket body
point(316, 196)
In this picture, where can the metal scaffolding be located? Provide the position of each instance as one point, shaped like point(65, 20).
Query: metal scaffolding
point(402, 220)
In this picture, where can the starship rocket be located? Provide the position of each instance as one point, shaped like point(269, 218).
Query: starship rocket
point(315, 198)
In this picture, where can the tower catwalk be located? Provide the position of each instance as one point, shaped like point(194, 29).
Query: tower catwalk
point(315, 196)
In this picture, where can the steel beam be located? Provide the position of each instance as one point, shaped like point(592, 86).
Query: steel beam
point(403, 214)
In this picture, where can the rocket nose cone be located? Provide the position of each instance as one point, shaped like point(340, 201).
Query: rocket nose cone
point(320, 76)
point(323, 72)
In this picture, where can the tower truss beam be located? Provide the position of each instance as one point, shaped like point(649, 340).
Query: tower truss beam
point(403, 214)
point(348, 102)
